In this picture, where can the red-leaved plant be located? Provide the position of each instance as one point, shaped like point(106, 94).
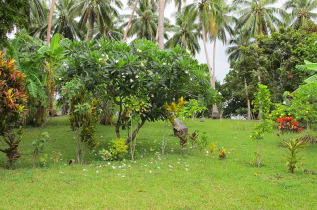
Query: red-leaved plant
point(12, 106)
point(288, 124)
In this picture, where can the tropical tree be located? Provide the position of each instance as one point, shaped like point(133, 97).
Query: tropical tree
point(113, 31)
point(65, 23)
point(220, 28)
point(144, 22)
point(10, 18)
point(99, 11)
point(37, 14)
point(302, 10)
point(203, 10)
point(258, 16)
point(186, 31)
point(241, 39)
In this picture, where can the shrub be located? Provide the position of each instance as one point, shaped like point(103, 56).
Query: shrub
point(222, 153)
point(293, 147)
point(212, 147)
point(116, 151)
point(38, 145)
point(288, 124)
point(12, 106)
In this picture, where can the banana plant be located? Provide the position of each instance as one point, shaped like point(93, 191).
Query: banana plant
point(312, 67)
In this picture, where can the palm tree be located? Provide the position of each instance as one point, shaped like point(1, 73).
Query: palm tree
point(64, 22)
point(99, 11)
point(302, 11)
point(203, 10)
point(113, 31)
point(144, 22)
point(220, 28)
point(241, 39)
point(186, 31)
point(258, 16)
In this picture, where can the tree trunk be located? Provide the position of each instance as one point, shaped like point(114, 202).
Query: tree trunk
point(214, 66)
point(247, 94)
point(48, 34)
point(135, 132)
point(215, 111)
point(161, 25)
point(117, 129)
point(129, 23)
point(214, 107)
point(206, 53)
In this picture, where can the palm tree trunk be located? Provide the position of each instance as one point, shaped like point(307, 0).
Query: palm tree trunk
point(248, 100)
point(161, 25)
point(48, 34)
point(215, 111)
point(129, 23)
point(207, 57)
point(214, 66)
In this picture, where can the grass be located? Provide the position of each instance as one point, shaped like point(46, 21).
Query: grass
point(195, 180)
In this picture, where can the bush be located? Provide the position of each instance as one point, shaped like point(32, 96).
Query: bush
point(116, 151)
point(12, 106)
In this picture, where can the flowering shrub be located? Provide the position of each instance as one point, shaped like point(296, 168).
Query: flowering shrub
point(288, 124)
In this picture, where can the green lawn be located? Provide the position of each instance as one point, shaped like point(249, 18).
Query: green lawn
point(194, 180)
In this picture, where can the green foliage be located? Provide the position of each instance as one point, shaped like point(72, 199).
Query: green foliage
point(105, 154)
point(38, 145)
point(203, 141)
point(174, 109)
point(12, 106)
point(10, 17)
point(262, 103)
point(83, 111)
point(118, 73)
point(41, 64)
point(192, 108)
point(212, 147)
point(293, 146)
point(56, 156)
point(118, 149)
point(278, 56)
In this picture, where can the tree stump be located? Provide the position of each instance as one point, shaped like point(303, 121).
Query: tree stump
point(179, 128)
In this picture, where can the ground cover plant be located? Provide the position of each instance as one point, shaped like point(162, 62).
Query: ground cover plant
point(195, 179)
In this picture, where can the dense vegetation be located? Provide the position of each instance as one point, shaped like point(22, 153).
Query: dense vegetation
point(126, 101)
